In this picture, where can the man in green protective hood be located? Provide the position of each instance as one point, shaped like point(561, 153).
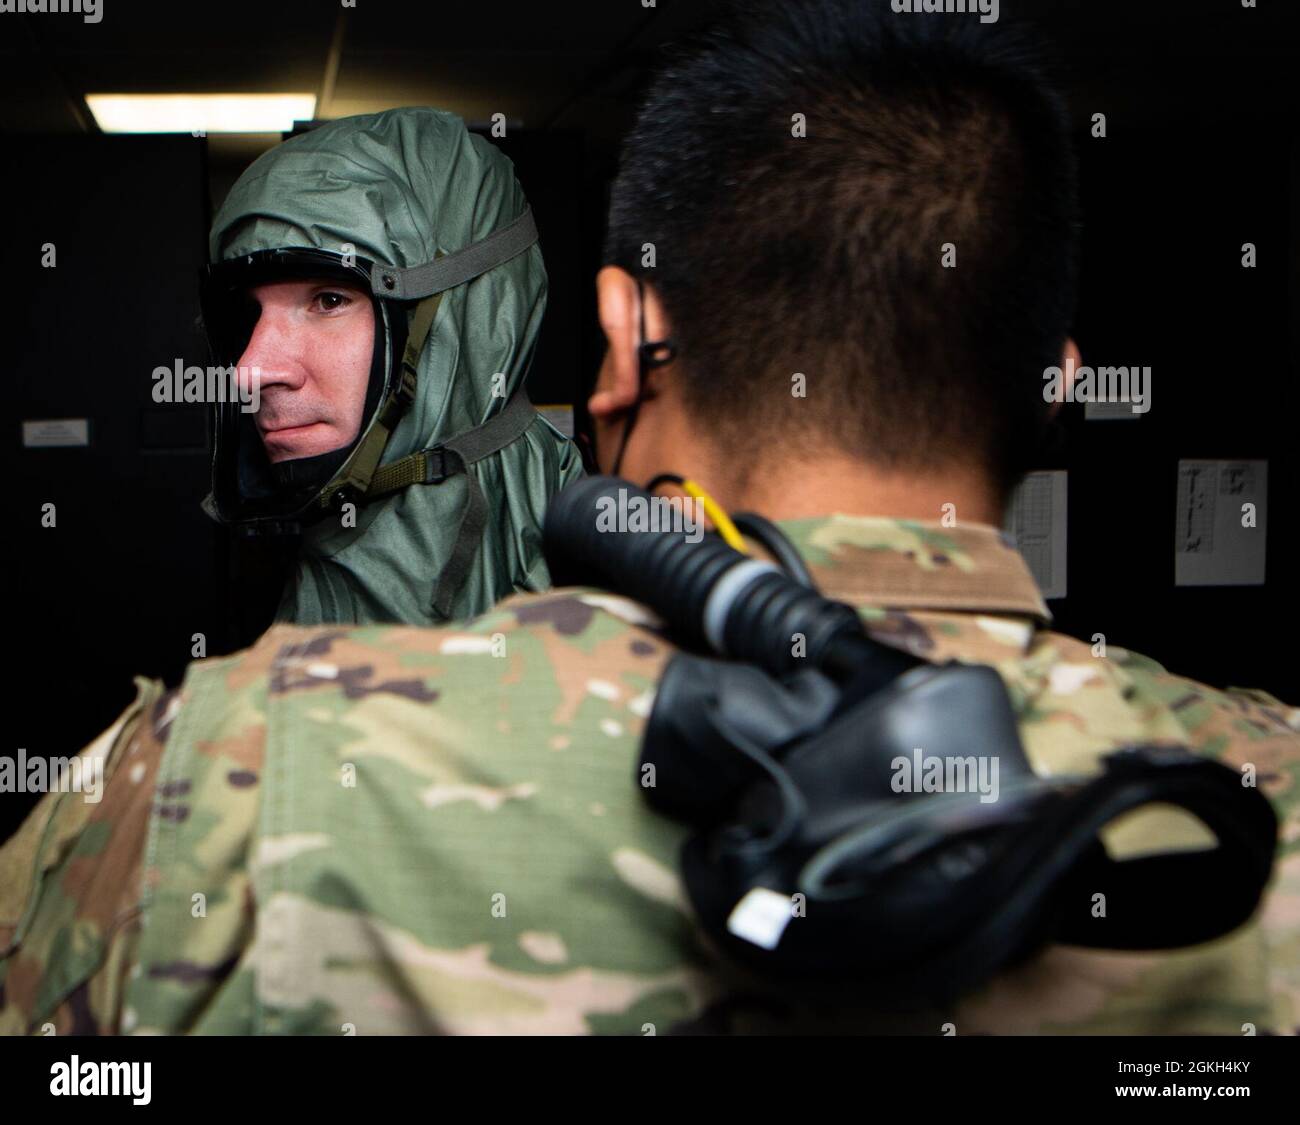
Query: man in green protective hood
point(377, 286)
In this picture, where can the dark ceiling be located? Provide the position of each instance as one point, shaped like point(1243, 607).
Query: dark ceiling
point(525, 59)
point(557, 63)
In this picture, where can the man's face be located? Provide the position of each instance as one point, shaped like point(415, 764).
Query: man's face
point(313, 343)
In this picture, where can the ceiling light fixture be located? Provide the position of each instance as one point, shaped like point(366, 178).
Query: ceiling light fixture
point(200, 113)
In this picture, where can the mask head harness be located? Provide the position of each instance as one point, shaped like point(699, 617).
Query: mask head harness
point(810, 863)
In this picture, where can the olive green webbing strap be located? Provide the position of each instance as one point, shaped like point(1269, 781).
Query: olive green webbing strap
point(462, 452)
point(451, 458)
point(427, 283)
point(362, 468)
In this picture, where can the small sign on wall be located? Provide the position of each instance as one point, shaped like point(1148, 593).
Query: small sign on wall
point(1036, 520)
point(1219, 525)
point(54, 432)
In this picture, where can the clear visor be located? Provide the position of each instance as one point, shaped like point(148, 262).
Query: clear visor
point(246, 486)
point(230, 312)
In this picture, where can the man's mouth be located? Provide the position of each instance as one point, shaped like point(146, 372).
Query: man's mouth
point(287, 431)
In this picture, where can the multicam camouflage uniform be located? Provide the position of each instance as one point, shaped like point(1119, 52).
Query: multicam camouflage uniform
point(398, 829)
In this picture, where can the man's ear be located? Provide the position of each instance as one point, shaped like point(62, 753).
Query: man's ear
point(618, 305)
point(1071, 361)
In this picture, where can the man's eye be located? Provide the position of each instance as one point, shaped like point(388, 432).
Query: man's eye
point(330, 301)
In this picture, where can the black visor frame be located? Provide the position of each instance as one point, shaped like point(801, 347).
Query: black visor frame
point(229, 317)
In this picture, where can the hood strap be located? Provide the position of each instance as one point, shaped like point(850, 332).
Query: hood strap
point(357, 478)
point(451, 458)
point(427, 283)
point(447, 271)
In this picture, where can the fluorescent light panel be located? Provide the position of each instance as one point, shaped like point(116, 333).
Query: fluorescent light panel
point(212, 113)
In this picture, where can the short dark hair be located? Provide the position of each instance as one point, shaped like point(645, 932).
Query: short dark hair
point(823, 255)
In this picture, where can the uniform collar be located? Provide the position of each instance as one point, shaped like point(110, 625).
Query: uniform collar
point(915, 564)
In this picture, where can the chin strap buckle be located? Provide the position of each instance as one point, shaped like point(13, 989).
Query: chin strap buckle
point(336, 496)
point(435, 465)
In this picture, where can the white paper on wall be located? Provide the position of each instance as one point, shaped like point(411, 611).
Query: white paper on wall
point(1109, 412)
point(1219, 525)
point(1036, 520)
point(56, 432)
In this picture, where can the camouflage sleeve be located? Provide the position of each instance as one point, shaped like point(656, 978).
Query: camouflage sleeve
point(1244, 728)
point(1259, 735)
point(70, 881)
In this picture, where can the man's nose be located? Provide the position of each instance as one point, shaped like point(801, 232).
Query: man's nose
point(270, 358)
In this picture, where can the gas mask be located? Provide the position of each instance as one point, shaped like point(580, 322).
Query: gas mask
point(785, 763)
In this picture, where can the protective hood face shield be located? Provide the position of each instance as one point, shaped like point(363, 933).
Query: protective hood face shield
point(247, 487)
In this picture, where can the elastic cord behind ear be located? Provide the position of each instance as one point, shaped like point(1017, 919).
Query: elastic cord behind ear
point(650, 354)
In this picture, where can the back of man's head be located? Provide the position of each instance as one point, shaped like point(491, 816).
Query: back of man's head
point(884, 203)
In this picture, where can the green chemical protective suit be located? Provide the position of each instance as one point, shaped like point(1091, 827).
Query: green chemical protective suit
point(434, 512)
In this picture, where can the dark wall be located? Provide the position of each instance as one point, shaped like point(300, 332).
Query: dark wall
point(131, 569)
point(552, 170)
point(1167, 212)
